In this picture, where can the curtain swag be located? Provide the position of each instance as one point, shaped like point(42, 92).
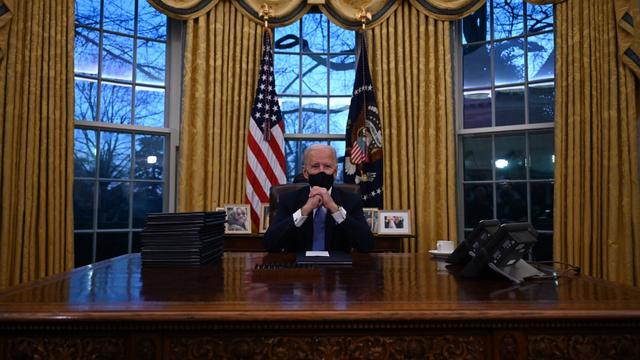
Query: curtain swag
point(345, 12)
point(342, 12)
point(183, 9)
point(447, 9)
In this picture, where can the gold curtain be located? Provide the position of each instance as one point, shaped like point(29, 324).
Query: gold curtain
point(597, 200)
point(410, 57)
point(220, 68)
point(36, 170)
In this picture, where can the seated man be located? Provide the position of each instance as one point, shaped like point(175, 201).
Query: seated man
point(319, 206)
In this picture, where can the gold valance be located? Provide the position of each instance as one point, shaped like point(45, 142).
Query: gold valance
point(6, 12)
point(447, 9)
point(183, 9)
point(345, 12)
point(342, 12)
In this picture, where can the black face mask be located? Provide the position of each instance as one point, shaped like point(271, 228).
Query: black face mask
point(321, 179)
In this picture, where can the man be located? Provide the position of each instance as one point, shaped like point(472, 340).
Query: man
point(301, 214)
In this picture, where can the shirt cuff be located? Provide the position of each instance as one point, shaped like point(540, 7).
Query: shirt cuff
point(339, 215)
point(298, 218)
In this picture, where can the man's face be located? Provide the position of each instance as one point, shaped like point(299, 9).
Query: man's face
point(320, 160)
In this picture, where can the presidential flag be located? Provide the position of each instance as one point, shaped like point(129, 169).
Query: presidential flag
point(265, 141)
point(363, 157)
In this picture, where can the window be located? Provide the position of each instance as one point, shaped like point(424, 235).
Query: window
point(121, 132)
point(315, 69)
point(505, 117)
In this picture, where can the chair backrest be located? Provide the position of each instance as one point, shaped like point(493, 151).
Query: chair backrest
point(278, 190)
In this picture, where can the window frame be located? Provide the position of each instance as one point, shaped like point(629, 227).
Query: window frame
point(174, 44)
point(525, 129)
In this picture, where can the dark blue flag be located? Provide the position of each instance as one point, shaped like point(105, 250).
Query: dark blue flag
point(363, 157)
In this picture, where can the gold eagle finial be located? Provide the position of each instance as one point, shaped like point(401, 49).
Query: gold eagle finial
point(265, 13)
point(364, 16)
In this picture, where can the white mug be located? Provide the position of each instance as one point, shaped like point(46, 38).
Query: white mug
point(444, 246)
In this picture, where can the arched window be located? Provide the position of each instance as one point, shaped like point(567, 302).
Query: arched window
point(315, 69)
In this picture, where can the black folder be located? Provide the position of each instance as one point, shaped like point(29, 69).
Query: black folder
point(334, 258)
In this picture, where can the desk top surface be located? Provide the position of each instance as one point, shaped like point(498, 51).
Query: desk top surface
point(377, 286)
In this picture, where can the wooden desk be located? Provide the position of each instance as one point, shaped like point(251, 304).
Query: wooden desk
point(398, 306)
point(253, 242)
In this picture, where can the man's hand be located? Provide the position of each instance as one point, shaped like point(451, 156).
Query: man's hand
point(325, 197)
point(313, 202)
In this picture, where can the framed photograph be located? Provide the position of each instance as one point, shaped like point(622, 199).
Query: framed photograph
point(371, 215)
point(397, 222)
point(264, 217)
point(238, 219)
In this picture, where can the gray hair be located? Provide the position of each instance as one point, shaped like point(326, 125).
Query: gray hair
point(305, 155)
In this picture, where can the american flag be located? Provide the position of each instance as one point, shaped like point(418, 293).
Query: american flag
point(358, 152)
point(265, 142)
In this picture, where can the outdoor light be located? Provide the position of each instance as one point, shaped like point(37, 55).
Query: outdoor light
point(502, 163)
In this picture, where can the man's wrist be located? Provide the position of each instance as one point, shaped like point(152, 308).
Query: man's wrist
point(334, 209)
point(304, 211)
point(339, 215)
point(298, 218)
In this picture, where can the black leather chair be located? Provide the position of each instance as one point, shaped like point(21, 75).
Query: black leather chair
point(277, 190)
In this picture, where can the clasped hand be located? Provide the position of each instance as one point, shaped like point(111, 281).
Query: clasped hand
point(319, 196)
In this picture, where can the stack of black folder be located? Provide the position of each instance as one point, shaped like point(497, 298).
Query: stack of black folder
point(194, 238)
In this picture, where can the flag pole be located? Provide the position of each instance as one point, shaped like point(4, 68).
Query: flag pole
point(364, 16)
point(265, 160)
point(265, 12)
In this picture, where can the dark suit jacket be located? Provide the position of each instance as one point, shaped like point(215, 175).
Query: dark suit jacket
point(352, 233)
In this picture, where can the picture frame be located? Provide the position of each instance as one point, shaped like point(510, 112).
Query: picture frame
point(396, 222)
point(264, 217)
point(238, 219)
point(371, 215)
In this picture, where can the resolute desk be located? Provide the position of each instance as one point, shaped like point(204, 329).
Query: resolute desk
point(254, 305)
